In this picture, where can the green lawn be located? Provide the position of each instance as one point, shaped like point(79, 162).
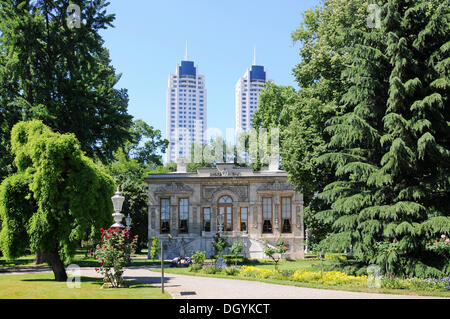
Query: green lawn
point(79, 259)
point(43, 286)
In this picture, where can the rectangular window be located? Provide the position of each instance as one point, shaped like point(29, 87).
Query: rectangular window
point(244, 214)
point(183, 210)
point(206, 219)
point(286, 214)
point(165, 216)
point(267, 215)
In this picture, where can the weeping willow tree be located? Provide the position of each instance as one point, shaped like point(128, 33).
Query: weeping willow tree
point(57, 196)
point(390, 149)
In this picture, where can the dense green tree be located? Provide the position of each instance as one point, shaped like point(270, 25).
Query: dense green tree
point(136, 206)
point(60, 75)
point(325, 34)
point(132, 163)
point(147, 144)
point(57, 196)
point(390, 148)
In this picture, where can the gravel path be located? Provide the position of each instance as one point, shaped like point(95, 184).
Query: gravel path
point(191, 287)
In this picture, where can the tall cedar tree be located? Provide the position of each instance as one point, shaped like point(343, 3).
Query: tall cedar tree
point(390, 149)
point(60, 75)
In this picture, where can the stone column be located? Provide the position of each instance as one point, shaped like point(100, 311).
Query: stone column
point(276, 216)
point(214, 226)
point(173, 216)
point(193, 219)
point(236, 217)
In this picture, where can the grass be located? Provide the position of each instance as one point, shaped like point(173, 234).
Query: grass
point(43, 286)
point(307, 265)
point(79, 259)
point(22, 261)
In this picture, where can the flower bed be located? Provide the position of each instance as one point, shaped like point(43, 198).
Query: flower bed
point(332, 278)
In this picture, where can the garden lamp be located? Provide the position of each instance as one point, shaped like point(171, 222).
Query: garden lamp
point(128, 221)
point(117, 200)
point(220, 219)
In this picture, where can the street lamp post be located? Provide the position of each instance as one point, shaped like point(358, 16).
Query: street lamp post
point(162, 263)
point(117, 200)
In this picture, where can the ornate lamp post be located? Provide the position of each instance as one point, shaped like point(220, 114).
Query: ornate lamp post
point(117, 200)
point(128, 221)
point(220, 262)
point(220, 219)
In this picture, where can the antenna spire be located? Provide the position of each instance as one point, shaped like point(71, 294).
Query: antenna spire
point(186, 57)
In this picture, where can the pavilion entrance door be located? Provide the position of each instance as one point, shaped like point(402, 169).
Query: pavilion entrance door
point(225, 208)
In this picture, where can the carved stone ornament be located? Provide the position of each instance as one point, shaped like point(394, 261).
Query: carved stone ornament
point(226, 172)
point(208, 192)
point(276, 186)
point(174, 188)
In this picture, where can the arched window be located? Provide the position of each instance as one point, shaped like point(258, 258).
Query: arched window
point(225, 208)
point(225, 200)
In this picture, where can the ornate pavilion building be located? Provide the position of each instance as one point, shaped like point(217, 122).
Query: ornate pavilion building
point(256, 207)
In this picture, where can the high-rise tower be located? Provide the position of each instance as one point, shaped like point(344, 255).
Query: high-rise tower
point(186, 110)
point(248, 89)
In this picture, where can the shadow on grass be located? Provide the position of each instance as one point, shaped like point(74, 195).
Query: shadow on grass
point(83, 279)
point(12, 263)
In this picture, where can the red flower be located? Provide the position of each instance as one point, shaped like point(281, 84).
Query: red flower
point(285, 245)
point(92, 253)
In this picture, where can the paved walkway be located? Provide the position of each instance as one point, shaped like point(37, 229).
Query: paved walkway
point(192, 287)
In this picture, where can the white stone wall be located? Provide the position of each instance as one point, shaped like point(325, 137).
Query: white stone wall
point(205, 192)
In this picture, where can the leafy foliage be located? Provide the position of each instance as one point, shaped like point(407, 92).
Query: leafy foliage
point(61, 194)
point(59, 75)
point(155, 248)
point(16, 208)
point(276, 252)
point(219, 244)
point(199, 257)
point(389, 148)
point(325, 34)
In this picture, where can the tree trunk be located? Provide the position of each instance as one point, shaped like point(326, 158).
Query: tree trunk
point(57, 265)
point(39, 258)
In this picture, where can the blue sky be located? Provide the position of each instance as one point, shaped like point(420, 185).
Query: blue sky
point(149, 38)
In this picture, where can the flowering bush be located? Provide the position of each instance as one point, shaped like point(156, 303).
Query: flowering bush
point(276, 252)
point(332, 278)
point(260, 273)
point(114, 253)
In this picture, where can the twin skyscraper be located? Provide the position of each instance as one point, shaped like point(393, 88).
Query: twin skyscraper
point(187, 106)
